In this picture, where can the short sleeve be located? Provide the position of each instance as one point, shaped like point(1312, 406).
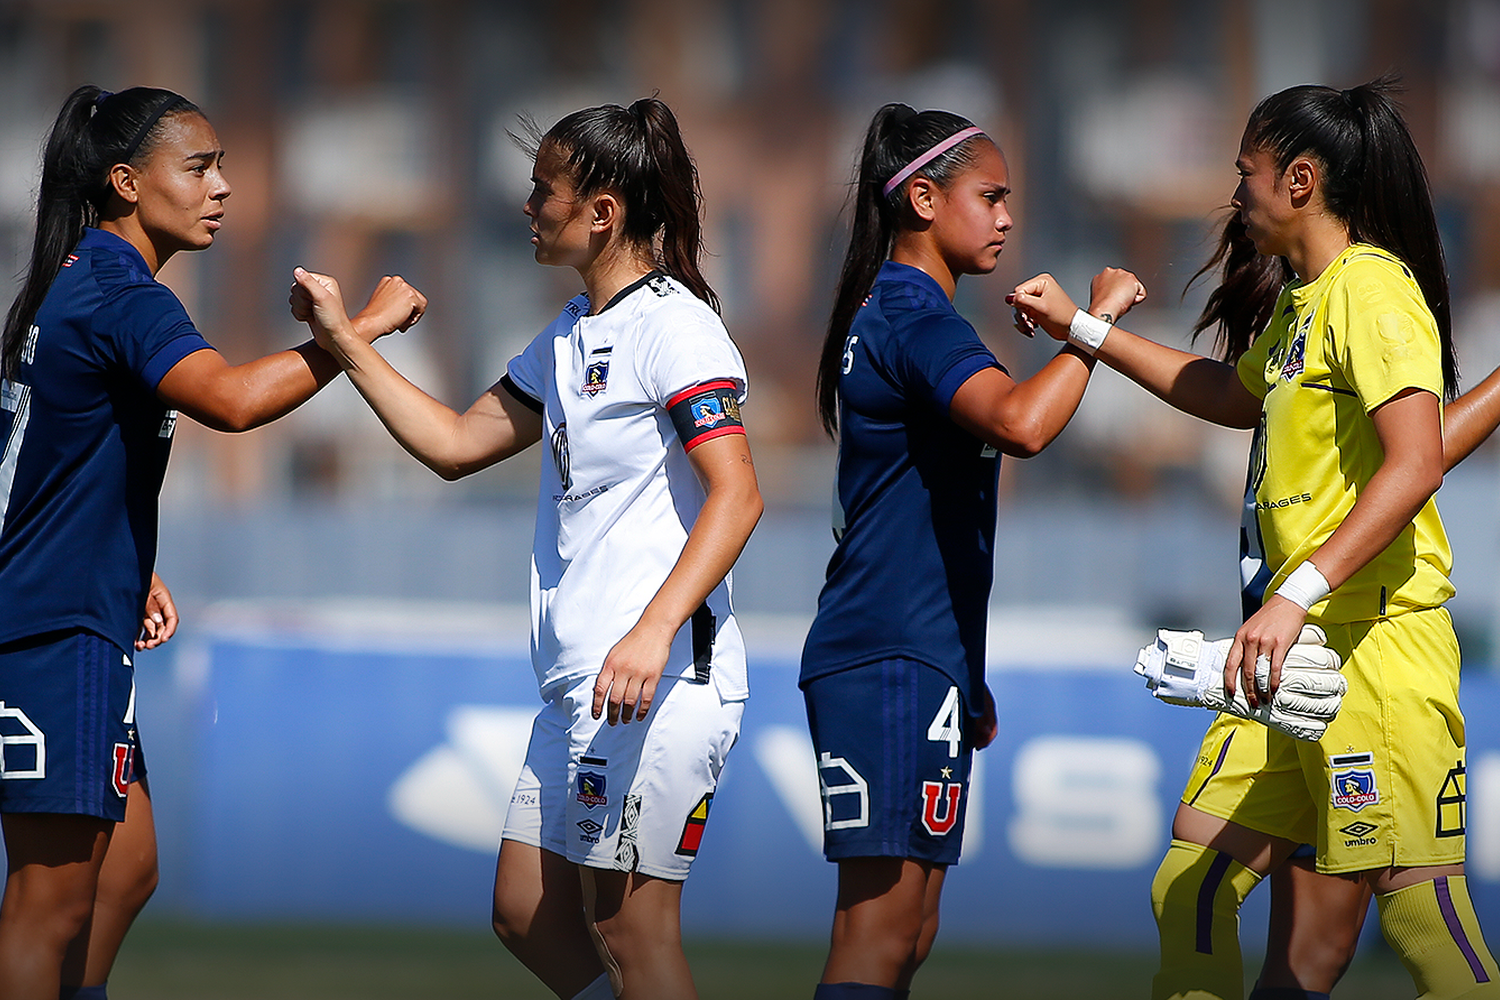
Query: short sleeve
point(524, 376)
point(1251, 366)
point(939, 353)
point(684, 346)
point(528, 372)
point(146, 330)
point(1384, 338)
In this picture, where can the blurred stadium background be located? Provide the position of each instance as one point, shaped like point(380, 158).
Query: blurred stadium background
point(350, 621)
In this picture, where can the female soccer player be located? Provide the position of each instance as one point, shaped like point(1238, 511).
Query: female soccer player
point(893, 668)
point(98, 357)
point(1315, 920)
point(1345, 387)
point(648, 498)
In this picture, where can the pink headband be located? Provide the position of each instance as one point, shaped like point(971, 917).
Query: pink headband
point(928, 157)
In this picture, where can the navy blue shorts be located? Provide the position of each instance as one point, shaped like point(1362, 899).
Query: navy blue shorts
point(893, 744)
point(68, 741)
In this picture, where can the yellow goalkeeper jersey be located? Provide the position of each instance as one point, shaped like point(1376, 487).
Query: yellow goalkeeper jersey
point(1338, 348)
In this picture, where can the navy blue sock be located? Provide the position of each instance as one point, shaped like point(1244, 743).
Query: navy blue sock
point(83, 992)
point(1284, 993)
point(856, 991)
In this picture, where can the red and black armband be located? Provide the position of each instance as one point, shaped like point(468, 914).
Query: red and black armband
point(706, 411)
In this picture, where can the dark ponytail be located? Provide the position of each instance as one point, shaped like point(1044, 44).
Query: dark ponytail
point(1373, 179)
point(94, 131)
point(638, 153)
point(1250, 283)
point(897, 135)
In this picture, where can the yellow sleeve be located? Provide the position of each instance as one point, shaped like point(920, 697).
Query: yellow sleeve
point(1251, 366)
point(1383, 337)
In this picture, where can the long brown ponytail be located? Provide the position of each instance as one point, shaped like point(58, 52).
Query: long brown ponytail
point(637, 152)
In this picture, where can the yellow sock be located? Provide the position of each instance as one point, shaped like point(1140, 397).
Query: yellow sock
point(1432, 926)
point(1196, 895)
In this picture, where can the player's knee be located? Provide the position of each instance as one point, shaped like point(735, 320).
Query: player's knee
point(1323, 957)
point(925, 939)
point(896, 936)
point(627, 932)
point(133, 896)
point(508, 920)
point(607, 936)
point(1166, 884)
point(1201, 889)
point(128, 891)
point(49, 916)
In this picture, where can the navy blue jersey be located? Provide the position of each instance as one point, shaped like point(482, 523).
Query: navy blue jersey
point(84, 443)
point(912, 571)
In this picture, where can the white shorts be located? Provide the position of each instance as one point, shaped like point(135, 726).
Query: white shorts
point(629, 797)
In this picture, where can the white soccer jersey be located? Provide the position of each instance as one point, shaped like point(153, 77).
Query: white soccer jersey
point(618, 495)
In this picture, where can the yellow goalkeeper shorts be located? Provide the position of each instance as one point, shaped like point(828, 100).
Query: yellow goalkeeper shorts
point(1385, 784)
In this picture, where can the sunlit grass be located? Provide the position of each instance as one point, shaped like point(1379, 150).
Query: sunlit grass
point(186, 961)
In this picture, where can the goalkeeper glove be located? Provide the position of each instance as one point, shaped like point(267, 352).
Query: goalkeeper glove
point(1182, 669)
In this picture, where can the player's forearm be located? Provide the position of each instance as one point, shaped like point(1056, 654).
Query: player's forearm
point(1202, 387)
point(1036, 410)
point(1470, 419)
point(277, 384)
point(430, 431)
point(1387, 504)
point(237, 398)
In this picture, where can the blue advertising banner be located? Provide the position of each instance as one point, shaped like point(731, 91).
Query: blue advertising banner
point(336, 766)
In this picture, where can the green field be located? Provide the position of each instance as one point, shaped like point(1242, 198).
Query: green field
point(178, 961)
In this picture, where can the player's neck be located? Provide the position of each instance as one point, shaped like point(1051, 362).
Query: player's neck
point(129, 229)
point(610, 272)
point(1318, 244)
point(917, 250)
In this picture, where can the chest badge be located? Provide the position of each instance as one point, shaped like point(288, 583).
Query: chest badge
point(1296, 356)
point(595, 377)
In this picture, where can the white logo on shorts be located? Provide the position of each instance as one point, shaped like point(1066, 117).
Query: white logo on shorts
point(855, 785)
point(11, 760)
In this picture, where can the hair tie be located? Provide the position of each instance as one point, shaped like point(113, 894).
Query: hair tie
point(929, 156)
point(166, 105)
point(101, 97)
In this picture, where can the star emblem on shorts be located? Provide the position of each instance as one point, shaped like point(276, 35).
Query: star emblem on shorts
point(947, 772)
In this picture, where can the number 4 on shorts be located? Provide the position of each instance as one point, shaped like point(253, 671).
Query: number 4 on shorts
point(948, 725)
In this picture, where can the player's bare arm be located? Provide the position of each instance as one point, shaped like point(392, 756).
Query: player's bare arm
point(449, 443)
point(228, 397)
point(1410, 433)
point(1470, 419)
point(1202, 387)
point(627, 681)
point(1022, 418)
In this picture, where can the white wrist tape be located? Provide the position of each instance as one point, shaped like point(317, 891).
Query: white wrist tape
point(1304, 586)
point(1087, 332)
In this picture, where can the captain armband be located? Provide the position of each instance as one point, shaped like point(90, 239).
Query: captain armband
point(706, 411)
